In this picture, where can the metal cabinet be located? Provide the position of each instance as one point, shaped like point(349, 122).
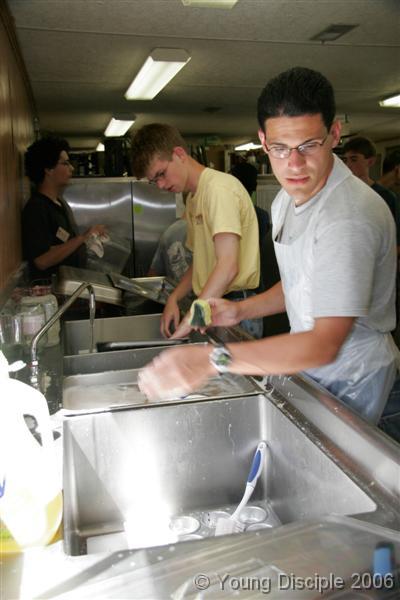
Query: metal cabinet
point(135, 213)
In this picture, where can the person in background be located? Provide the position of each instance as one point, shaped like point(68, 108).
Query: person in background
point(221, 221)
point(269, 276)
point(390, 421)
point(336, 249)
point(50, 237)
point(172, 258)
point(391, 172)
point(247, 175)
point(360, 155)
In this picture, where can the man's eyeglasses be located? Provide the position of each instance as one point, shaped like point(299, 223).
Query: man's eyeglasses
point(160, 175)
point(306, 149)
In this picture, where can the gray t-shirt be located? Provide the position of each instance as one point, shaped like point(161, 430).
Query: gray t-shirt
point(172, 258)
point(337, 256)
point(354, 250)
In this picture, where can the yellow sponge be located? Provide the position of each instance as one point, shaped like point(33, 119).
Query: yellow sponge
point(200, 313)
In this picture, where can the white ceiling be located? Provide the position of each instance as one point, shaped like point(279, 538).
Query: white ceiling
point(81, 56)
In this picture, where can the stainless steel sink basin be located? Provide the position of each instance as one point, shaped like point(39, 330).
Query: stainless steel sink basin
point(116, 333)
point(81, 364)
point(129, 474)
point(105, 381)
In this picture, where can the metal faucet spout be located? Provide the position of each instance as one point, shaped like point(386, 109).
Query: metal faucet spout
point(34, 363)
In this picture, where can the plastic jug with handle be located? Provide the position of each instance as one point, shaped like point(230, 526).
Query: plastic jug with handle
point(36, 311)
point(30, 484)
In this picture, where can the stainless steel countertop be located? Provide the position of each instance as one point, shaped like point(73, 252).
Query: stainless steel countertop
point(295, 561)
point(335, 546)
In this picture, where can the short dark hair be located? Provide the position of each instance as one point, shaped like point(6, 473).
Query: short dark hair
point(391, 161)
point(360, 145)
point(153, 140)
point(247, 175)
point(43, 154)
point(297, 92)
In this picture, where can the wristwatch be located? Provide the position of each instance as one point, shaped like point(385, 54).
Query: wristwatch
point(221, 358)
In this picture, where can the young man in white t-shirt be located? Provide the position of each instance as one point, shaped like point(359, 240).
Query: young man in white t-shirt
point(335, 243)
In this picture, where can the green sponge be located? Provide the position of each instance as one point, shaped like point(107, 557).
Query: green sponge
point(200, 314)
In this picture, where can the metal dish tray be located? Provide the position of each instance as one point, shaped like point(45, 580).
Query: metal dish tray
point(127, 345)
point(157, 289)
point(110, 288)
point(70, 278)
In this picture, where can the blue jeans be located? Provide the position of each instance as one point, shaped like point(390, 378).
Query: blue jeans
point(254, 327)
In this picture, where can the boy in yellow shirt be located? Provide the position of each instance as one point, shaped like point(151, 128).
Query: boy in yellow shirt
point(222, 224)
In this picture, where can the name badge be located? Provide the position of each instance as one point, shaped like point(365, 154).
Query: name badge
point(62, 234)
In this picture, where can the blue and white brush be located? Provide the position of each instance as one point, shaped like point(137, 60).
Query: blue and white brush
point(233, 524)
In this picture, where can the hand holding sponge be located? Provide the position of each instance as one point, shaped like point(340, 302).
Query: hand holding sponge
point(200, 313)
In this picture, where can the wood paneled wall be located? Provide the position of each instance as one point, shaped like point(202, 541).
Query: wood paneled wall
point(16, 133)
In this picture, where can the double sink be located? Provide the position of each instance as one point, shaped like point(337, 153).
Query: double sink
point(132, 471)
point(107, 379)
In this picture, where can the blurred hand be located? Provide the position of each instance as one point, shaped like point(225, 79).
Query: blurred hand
point(183, 329)
point(176, 372)
point(95, 230)
point(224, 313)
point(170, 316)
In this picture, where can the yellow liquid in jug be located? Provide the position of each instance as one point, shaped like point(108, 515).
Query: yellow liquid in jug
point(54, 515)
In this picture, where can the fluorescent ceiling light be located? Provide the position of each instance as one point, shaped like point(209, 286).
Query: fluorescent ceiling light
point(332, 33)
point(118, 127)
point(160, 67)
point(392, 102)
point(248, 146)
point(100, 147)
point(210, 3)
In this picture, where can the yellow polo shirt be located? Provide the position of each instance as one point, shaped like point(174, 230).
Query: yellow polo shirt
point(222, 205)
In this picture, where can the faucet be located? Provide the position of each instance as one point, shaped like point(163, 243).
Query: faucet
point(34, 363)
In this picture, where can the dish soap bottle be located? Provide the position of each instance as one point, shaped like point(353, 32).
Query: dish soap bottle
point(30, 486)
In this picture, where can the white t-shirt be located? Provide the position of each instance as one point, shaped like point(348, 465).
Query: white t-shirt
point(172, 258)
point(354, 250)
point(337, 256)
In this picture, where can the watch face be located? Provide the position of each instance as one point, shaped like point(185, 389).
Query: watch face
point(221, 359)
point(224, 358)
